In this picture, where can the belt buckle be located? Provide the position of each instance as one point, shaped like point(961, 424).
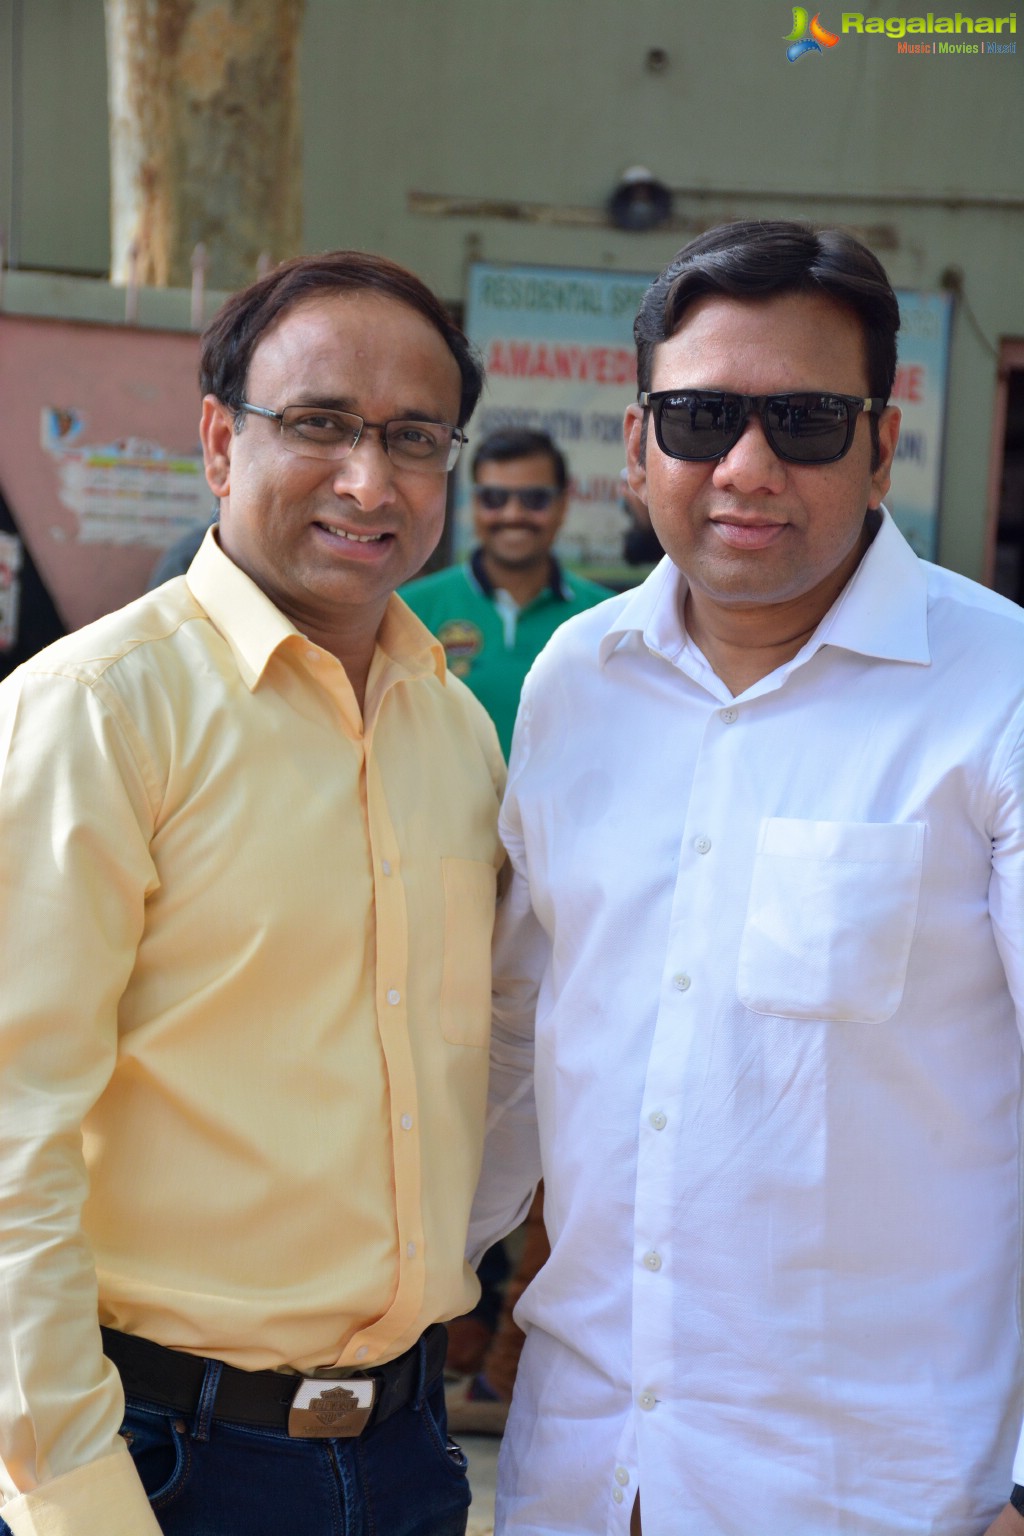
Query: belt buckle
point(331, 1409)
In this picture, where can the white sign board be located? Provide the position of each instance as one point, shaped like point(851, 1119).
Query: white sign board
point(920, 393)
point(558, 347)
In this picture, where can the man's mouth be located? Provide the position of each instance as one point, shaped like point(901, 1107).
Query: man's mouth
point(747, 534)
point(353, 538)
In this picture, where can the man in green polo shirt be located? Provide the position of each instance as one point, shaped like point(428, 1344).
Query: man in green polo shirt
point(497, 611)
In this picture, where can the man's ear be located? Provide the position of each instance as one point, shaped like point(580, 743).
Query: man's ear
point(216, 433)
point(888, 437)
point(636, 451)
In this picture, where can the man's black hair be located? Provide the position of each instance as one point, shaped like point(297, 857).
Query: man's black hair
point(233, 334)
point(508, 443)
point(759, 259)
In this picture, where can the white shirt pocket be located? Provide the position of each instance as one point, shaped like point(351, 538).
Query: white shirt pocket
point(832, 911)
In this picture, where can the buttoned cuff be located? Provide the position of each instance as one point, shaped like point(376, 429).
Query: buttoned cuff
point(102, 1498)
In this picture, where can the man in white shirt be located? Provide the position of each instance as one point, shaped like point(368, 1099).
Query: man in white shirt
point(765, 941)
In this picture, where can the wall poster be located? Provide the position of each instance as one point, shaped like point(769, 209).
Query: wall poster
point(558, 346)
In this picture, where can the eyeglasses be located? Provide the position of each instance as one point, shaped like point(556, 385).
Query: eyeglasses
point(807, 428)
point(532, 498)
point(316, 433)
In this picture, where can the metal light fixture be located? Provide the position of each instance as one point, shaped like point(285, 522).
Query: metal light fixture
point(639, 202)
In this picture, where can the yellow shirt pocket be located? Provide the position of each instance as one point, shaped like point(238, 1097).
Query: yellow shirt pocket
point(469, 896)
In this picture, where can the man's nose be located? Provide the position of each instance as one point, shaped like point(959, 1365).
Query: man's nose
point(366, 473)
point(751, 460)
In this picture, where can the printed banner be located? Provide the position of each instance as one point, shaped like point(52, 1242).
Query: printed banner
point(920, 393)
point(10, 589)
point(558, 347)
point(130, 492)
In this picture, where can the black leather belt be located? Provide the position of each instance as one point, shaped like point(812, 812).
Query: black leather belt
point(316, 1407)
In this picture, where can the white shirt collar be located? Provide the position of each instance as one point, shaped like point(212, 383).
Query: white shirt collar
point(882, 611)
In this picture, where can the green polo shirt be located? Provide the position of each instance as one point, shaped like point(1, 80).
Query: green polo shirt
point(489, 642)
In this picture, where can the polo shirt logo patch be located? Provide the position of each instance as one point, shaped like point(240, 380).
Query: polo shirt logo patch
point(462, 641)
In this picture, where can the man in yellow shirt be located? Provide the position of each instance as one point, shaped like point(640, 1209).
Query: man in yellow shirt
point(248, 857)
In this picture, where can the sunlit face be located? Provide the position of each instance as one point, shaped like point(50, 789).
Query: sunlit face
point(751, 530)
point(513, 536)
point(329, 541)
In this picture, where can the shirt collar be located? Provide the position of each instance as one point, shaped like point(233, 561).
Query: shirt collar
point(882, 611)
point(653, 611)
point(254, 628)
point(406, 641)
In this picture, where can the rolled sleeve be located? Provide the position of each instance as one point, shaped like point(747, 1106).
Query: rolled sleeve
point(75, 820)
point(102, 1498)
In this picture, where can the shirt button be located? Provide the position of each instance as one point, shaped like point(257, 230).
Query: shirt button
point(703, 845)
point(406, 1122)
point(658, 1120)
point(621, 1475)
point(362, 1352)
point(647, 1401)
point(394, 997)
point(681, 982)
point(618, 1495)
point(385, 865)
point(652, 1260)
point(411, 1250)
point(728, 715)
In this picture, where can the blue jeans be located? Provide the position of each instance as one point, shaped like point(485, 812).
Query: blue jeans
point(206, 1478)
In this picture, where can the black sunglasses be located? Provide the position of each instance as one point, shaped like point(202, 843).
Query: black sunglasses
point(804, 428)
point(532, 498)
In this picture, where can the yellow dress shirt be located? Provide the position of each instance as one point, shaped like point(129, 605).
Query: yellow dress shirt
point(245, 949)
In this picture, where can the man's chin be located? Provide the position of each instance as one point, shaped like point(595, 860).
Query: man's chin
point(517, 560)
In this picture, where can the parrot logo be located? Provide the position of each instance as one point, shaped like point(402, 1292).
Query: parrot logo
point(800, 43)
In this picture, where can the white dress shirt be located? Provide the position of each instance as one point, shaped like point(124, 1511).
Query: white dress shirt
point(775, 949)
